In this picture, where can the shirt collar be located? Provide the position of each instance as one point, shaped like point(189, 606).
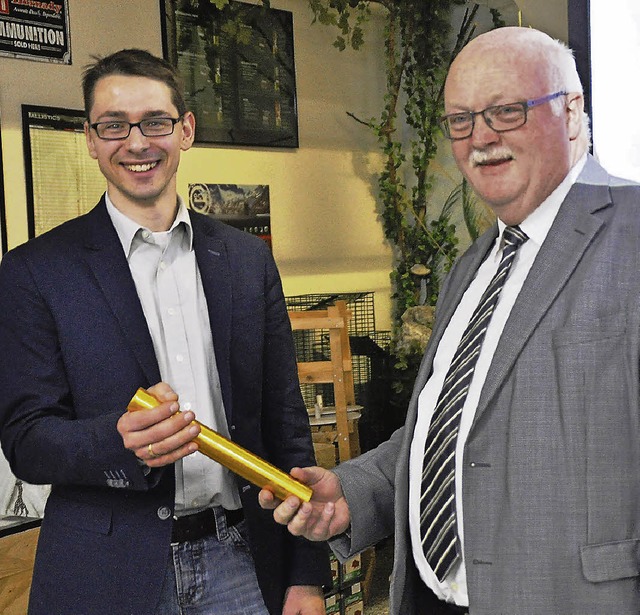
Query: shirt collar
point(537, 224)
point(126, 228)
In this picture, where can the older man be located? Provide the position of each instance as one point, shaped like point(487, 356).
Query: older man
point(514, 485)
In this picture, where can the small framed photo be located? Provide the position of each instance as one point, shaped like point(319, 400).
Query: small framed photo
point(246, 207)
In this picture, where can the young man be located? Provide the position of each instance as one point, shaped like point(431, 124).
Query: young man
point(514, 485)
point(141, 292)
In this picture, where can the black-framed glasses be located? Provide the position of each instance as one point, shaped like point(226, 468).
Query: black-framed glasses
point(115, 130)
point(500, 118)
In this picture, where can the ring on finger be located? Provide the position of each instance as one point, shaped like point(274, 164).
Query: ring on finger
point(152, 454)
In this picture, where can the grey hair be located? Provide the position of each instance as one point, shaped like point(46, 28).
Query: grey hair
point(561, 66)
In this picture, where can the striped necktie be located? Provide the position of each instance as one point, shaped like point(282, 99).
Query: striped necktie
point(437, 499)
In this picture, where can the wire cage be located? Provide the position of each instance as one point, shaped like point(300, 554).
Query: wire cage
point(313, 345)
point(370, 355)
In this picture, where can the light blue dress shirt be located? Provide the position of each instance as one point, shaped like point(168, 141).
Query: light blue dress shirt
point(169, 285)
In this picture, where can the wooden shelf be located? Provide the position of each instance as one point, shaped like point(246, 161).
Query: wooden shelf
point(337, 371)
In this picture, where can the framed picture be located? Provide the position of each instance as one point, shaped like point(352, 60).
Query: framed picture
point(246, 207)
point(63, 181)
point(238, 70)
point(33, 30)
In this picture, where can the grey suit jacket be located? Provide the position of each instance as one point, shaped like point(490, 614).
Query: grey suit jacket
point(551, 485)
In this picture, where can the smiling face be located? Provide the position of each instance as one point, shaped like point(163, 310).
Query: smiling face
point(140, 171)
point(514, 172)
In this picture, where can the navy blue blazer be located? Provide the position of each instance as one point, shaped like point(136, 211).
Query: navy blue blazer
point(74, 348)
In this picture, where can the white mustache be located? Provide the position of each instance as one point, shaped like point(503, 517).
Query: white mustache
point(496, 154)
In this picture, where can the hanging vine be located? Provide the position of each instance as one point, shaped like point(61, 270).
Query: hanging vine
point(419, 46)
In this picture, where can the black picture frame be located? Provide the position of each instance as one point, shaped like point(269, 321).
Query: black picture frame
point(580, 41)
point(238, 69)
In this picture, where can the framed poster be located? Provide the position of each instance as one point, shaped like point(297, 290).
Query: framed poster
point(63, 181)
point(246, 207)
point(35, 30)
point(238, 70)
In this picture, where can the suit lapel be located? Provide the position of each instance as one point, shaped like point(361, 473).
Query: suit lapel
point(106, 259)
point(571, 234)
point(215, 272)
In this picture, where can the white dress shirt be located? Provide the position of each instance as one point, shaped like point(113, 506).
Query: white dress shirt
point(168, 282)
point(536, 226)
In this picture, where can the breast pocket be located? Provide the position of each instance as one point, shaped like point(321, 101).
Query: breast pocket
point(591, 365)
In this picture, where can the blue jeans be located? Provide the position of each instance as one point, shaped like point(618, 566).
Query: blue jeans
point(212, 576)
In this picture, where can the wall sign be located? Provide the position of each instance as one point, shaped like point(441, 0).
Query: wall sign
point(35, 30)
point(246, 207)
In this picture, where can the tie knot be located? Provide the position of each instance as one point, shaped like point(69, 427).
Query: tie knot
point(514, 236)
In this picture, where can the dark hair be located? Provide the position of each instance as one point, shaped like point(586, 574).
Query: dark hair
point(134, 63)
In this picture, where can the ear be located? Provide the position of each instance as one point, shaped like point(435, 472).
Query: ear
point(89, 137)
point(575, 113)
point(188, 131)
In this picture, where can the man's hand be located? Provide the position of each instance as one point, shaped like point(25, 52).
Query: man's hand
point(161, 435)
point(303, 600)
point(325, 516)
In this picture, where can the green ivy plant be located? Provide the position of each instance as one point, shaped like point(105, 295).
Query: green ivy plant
point(419, 46)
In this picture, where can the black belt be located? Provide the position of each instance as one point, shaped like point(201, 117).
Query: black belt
point(202, 524)
point(446, 608)
point(428, 603)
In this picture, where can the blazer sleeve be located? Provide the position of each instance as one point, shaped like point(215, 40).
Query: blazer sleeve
point(368, 483)
point(53, 432)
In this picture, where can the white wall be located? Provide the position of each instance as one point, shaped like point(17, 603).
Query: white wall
point(326, 232)
point(615, 67)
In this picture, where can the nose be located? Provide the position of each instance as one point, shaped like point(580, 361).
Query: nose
point(136, 140)
point(483, 134)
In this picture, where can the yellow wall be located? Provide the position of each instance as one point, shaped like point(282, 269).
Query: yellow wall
point(326, 233)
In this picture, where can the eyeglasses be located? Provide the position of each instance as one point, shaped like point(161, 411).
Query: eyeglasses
point(500, 118)
point(116, 130)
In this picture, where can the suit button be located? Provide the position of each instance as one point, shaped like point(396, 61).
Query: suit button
point(164, 512)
